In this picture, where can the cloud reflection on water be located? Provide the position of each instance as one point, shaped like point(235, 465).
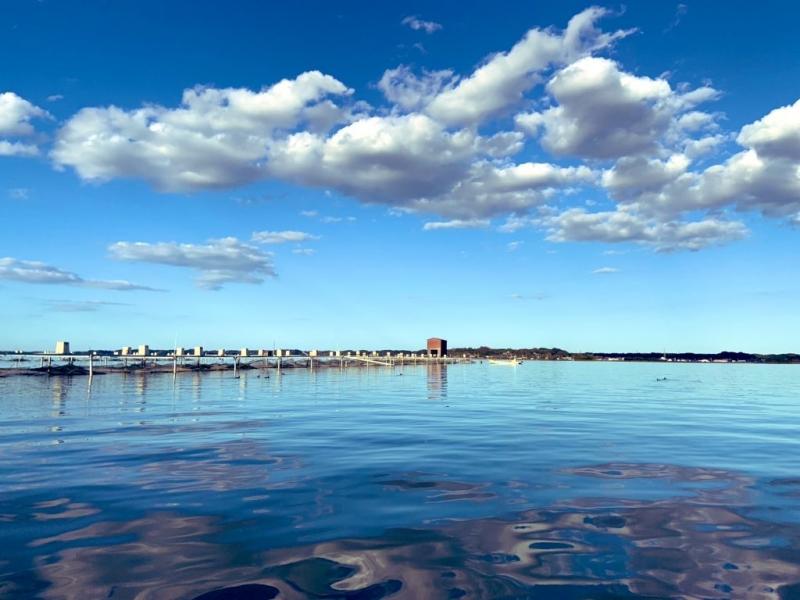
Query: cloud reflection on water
point(695, 547)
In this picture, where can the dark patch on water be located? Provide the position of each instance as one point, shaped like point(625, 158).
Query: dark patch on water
point(662, 559)
point(709, 527)
point(248, 591)
point(499, 558)
point(790, 592)
point(549, 545)
point(410, 485)
point(448, 490)
point(785, 481)
point(789, 486)
point(606, 521)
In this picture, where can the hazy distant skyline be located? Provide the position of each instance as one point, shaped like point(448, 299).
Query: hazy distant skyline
point(351, 175)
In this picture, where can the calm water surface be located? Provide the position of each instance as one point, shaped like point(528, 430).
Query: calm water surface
point(550, 480)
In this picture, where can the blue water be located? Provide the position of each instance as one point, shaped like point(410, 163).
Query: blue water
point(548, 480)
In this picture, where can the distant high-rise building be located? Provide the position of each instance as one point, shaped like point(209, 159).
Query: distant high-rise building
point(62, 347)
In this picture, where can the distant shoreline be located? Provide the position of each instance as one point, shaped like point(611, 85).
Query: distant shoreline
point(657, 357)
point(469, 353)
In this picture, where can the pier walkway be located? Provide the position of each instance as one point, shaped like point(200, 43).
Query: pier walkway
point(101, 362)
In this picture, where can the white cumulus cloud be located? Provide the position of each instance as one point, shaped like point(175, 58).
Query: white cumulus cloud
point(456, 224)
point(389, 159)
point(403, 88)
point(626, 226)
point(418, 24)
point(501, 81)
point(603, 112)
point(532, 132)
point(19, 193)
point(219, 261)
point(216, 138)
point(16, 128)
point(763, 177)
point(282, 237)
point(490, 189)
point(31, 271)
point(777, 135)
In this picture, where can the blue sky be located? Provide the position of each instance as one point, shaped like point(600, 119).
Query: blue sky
point(371, 174)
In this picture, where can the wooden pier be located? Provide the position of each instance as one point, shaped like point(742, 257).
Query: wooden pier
point(92, 363)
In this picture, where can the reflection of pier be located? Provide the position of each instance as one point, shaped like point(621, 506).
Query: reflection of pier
point(437, 381)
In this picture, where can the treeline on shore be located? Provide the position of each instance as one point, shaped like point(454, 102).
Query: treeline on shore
point(560, 354)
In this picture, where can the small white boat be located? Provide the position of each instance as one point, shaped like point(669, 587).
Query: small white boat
point(505, 361)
